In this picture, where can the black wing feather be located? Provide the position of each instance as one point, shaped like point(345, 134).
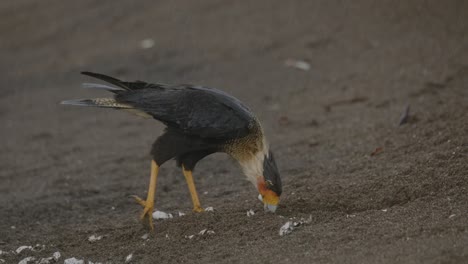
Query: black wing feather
point(197, 111)
point(203, 112)
point(129, 86)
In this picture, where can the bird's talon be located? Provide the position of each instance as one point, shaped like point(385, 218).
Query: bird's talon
point(139, 200)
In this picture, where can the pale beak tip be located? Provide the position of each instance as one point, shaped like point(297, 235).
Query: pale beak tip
point(270, 208)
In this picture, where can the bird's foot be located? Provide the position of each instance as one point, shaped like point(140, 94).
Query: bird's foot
point(147, 210)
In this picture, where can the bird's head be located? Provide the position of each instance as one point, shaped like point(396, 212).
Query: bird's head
point(261, 170)
point(269, 184)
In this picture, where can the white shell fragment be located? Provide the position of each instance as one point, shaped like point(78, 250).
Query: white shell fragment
point(145, 236)
point(54, 259)
point(206, 231)
point(289, 226)
point(189, 237)
point(147, 43)
point(181, 214)
point(18, 250)
point(129, 258)
point(73, 261)
point(26, 260)
point(209, 209)
point(161, 215)
point(298, 64)
point(94, 238)
point(286, 228)
point(250, 212)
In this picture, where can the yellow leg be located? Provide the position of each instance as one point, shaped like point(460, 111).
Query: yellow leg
point(193, 192)
point(149, 203)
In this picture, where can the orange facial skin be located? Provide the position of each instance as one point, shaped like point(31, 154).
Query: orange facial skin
point(269, 196)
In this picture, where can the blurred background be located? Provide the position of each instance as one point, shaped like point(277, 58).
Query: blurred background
point(330, 81)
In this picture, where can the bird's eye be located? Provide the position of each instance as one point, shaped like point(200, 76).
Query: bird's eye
point(268, 183)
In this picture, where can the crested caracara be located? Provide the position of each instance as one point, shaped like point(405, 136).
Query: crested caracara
point(200, 121)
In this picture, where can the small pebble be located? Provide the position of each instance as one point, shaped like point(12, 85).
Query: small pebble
point(145, 236)
point(209, 209)
point(250, 212)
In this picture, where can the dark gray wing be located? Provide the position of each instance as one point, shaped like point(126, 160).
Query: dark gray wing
point(200, 111)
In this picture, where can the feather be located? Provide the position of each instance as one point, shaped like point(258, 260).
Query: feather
point(101, 86)
point(97, 102)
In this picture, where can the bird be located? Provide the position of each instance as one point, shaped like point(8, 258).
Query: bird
point(199, 121)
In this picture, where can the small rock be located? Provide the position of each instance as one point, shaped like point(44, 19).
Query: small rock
point(161, 215)
point(181, 214)
point(209, 209)
point(2, 261)
point(250, 212)
point(129, 258)
point(189, 237)
point(73, 261)
point(145, 236)
point(147, 43)
point(167, 236)
point(205, 192)
point(94, 238)
point(452, 216)
point(202, 232)
point(210, 232)
point(384, 210)
point(26, 260)
point(13, 227)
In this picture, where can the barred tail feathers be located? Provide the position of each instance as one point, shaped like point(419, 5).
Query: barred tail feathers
point(107, 103)
point(98, 102)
